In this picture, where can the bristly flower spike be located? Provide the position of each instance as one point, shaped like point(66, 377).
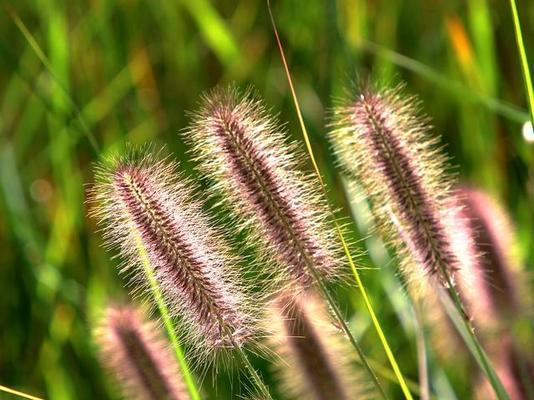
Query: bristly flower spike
point(314, 360)
point(148, 212)
point(244, 151)
point(491, 228)
point(137, 356)
point(379, 138)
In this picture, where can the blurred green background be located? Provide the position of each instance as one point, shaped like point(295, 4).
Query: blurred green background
point(117, 71)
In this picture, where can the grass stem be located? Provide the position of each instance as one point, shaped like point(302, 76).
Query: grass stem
point(524, 62)
point(359, 282)
point(18, 393)
point(167, 321)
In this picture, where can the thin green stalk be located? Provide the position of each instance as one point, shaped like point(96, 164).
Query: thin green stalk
point(467, 331)
point(524, 62)
point(169, 327)
point(18, 393)
point(256, 378)
point(346, 329)
point(167, 321)
point(461, 91)
point(355, 273)
point(422, 354)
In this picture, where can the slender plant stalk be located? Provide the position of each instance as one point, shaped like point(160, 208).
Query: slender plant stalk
point(355, 273)
point(167, 321)
point(468, 334)
point(169, 327)
point(18, 393)
point(524, 62)
point(422, 353)
point(256, 378)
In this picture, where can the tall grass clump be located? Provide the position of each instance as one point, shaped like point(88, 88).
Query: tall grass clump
point(384, 144)
point(135, 353)
point(314, 359)
point(243, 150)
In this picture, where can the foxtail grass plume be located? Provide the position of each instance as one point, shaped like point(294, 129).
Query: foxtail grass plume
point(494, 237)
point(243, 149)
point(314, 361)
point(382, 142)
point(137, 356)
point(150, 214)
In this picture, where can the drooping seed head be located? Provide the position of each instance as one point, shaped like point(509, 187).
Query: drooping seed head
point(138, 357)
point(150, 214)
point(492, 230)
point(314, 356)
point(382, 142)
point(244, 151)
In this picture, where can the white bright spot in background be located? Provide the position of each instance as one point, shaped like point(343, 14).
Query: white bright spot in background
point(528, 132)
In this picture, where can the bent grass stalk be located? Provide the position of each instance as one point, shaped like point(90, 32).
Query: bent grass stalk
point(354, 270)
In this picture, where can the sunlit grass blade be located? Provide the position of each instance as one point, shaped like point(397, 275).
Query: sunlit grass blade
point(167, 322)
point(355, 273)
point(456, 312)
point(524, 62)
point(18, 393)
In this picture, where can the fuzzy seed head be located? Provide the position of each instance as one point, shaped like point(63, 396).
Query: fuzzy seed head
point(138, 357)
point(150, 214)
point(380, 140)
point(314, 362)
point(492, 230)
point(244, 151)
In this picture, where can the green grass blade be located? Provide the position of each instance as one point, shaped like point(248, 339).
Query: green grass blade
point(42, 57)
point(355, 273)
point(167, 321)
point(18, 393)
point(496, 105)
point(456, 312)
point(524, 62)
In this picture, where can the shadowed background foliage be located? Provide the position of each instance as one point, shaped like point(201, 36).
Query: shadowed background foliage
point(111, 72)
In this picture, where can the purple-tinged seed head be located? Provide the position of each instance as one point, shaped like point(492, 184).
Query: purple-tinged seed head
point(150, 214)
point(492, 231)
point(138, 357)
point(314, 355)
point(380, 139)
point(244, 151)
